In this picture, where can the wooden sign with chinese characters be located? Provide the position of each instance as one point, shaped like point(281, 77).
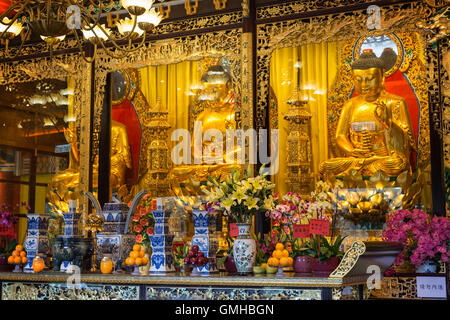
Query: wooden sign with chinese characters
point(319, 227)
point(301, 231)
point(234, 230)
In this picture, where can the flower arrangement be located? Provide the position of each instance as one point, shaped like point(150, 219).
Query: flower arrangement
point(424, 238)
point(241, 196)
point(7, 217)
point(143, 223)
point(292, 209)
point(7, 220)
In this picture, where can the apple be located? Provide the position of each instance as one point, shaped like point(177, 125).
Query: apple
point(201, 254)
point(195, 248)
point(186, 260)
point(194, 260)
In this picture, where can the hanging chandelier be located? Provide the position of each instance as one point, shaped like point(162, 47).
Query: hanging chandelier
point(55, 21)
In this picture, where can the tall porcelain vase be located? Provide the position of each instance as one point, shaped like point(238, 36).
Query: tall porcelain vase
point(244, 249)
point(37, 239)
point(206, 244)
point(162, 259)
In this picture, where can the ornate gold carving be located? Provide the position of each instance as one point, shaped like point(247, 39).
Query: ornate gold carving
point(247, 81)
point(155, 175)
point(299, 177)
point(191, 8)
point(294, 7)
point(289, 280)
point(349, 260)
point(220, 4)
point(164, 12)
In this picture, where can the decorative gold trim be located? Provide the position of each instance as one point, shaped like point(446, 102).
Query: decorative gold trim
point(349, 260)
point(290, 280)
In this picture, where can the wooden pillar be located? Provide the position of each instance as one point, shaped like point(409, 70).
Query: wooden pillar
point(436, 141)
point(86, 88)
point(32, 182)
point(104, 156)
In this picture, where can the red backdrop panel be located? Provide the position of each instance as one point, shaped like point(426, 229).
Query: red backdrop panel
point(126, 114)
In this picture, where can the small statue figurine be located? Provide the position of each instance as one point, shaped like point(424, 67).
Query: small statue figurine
point(374, 130)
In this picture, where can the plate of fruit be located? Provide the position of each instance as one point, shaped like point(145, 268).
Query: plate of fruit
point(195, 259)
point(18, 258)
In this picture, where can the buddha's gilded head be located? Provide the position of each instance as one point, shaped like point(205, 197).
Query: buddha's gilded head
point(368, 74)
point(216, 82)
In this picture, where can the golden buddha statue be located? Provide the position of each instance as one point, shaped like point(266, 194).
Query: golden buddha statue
point(217, 111)
point(63, 186)
point(374, 130)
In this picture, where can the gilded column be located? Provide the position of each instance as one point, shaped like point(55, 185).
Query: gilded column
point(83, 91)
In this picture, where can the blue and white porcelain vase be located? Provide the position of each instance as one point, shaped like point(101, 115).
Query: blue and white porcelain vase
point(427, 267)
point(162, 259)
point(244, 249)
point(37, 238)
point(206, 244)
point(71, 220)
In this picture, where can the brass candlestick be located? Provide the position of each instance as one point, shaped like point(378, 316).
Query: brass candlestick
point(94, 224)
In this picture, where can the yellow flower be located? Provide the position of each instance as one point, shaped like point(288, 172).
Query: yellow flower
point(268, 203)
point(239, 195)
point(227, 204)
point(257, 185)
point(252, 203)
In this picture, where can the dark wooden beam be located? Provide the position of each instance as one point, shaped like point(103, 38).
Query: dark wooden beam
point(436, 145)
point(32, 182)
point(328, 11)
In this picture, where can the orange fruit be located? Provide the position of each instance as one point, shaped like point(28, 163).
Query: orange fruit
point(273, 262)
point(138, 261)
point(38, 264)
point(279, 246)
point(144, 260)
point(15, 253)
point(134, 254)
point(129, 261)
point(11, 259)
point(106, 266)
point(17, 260)
point(284, 262)
point(291, 261)
point(24, 259)
point(23, 254)
point(285, 253)
point(137, 247)
point(277, 254)
point(141, 254)
point(19, 247)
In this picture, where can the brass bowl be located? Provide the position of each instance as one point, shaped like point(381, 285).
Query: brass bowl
point(355, 210)
point(364, 206)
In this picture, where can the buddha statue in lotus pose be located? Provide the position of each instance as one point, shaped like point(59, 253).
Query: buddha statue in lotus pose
point(63, 186)
point(217, 107)
point(374, 131)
